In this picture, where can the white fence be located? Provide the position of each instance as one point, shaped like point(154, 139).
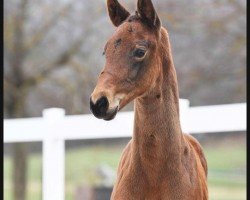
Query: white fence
point(54, 128)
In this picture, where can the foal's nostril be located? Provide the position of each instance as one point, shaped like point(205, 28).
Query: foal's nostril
point(91, 104)
point(99, 109)
point(102, 104)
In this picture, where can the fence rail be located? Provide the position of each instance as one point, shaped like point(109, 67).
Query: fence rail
point(54, 128)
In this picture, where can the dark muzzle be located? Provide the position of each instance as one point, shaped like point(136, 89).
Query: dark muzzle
point(100, 108)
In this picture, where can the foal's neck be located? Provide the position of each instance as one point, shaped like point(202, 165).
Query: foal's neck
point(157, 130)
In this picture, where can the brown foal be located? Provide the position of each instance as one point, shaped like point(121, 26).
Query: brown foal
point(159, 162)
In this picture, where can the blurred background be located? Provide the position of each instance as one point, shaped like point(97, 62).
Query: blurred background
point(52, 58)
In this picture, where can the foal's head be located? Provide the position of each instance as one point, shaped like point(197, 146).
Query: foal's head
point(132, 59)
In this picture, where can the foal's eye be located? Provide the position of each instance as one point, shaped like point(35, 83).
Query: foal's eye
point(139, 53)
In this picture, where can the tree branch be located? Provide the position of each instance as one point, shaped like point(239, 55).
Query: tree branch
point(39, 34)
point(58, 63)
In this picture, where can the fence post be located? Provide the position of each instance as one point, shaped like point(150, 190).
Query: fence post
point(53, 157)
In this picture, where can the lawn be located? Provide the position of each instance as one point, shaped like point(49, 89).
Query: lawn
point(226, 176)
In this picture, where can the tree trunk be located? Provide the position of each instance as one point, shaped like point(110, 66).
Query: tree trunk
point(19, 171)
point(20, 157)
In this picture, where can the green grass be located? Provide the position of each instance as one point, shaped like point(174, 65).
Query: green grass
point(227, 172)
point(226, 176)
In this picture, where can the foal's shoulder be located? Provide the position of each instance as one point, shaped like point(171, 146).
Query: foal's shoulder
point(197, 147)
point(125, 155)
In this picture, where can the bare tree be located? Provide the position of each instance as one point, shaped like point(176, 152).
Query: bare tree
point(24, 34)
point(52, 55)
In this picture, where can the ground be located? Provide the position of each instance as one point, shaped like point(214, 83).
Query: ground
point(226, 156)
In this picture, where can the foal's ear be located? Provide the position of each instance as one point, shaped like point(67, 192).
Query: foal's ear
point(147, 12)
point(117, 12)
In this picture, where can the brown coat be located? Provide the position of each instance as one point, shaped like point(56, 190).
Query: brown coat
point(159, 162)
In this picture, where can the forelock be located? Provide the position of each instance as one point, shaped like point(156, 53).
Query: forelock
point(133, 18)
